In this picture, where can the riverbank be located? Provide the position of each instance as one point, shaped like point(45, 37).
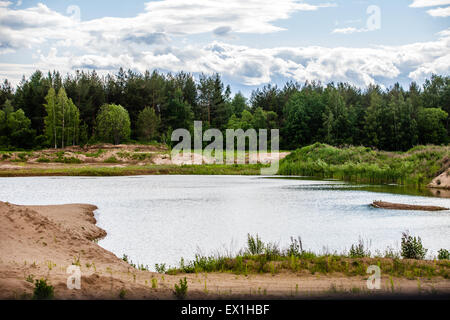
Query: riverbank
point(122, 160)
point(416, 167)
point(40, 242)
point(131, 170)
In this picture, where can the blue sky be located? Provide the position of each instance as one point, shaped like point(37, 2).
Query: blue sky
point(251, 43)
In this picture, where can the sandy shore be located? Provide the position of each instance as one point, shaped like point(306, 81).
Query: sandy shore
point(42, 241)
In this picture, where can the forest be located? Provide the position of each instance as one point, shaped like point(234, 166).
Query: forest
point(50, 110)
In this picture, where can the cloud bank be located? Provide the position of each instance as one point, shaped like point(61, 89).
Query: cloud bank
point(154, 40)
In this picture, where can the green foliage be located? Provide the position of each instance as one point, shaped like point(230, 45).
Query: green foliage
point(431, 123)
point(42, 290)
point(443, 254)
point(295, 259)
point(137, 170)
point(160, 268)
point(412, 247)
point(336, 114)
point(63, 119)
point(111, 159)
point(15, 128)
point(181, 289)
point(113, 124)
point(148, 124)
point(254, 245)
point(416, 167)
point(122, 293)
point(358, 250)
point(30, 278)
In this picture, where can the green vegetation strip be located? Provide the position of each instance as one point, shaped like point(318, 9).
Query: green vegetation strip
point(137, 170)
point(416, 167)
point(260, 257)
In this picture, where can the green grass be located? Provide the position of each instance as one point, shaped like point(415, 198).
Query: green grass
point(416, 167)
point(137, 170)
point(111, 159)
point(94, 155)
point(270, 259)
point(43, 290)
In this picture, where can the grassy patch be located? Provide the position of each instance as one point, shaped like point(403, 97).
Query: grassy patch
point(43, 290)
point(417, 166)
point(96, 154)
point(260, 257)
point(137, 170)
point(111, 159)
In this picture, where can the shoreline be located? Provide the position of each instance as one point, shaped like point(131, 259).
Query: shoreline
point(42, 241)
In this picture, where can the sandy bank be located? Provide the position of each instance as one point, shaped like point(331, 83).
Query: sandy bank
point(42, 241)
point(442, 181)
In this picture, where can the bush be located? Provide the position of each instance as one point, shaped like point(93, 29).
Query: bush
point(42, 290)
point(160, 268)
point(113, 124)
point(412, 247)
point(122, 293)
point(358, 250)
point(443, 254)
point(254, 245)
point(295, 248)
point(111, 159)
point(181, 290)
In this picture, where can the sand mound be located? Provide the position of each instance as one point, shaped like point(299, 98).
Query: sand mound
point(42, 241)
point(442, 181)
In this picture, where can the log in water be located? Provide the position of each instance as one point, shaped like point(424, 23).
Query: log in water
point(399, 206)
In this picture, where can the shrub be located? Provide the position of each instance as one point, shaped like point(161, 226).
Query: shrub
point(154, 283)
point(295, 248)
point(181, 290)
point(443, 254)
point(358, 250)
point(113, 124)
point(42, 290)
point(254, 245)
point(160, 268)
point(122, 293)
point(412, 247)
point(111, 160)
point(30, 278)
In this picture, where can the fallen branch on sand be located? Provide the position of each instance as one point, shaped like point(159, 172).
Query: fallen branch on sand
point(399, 206)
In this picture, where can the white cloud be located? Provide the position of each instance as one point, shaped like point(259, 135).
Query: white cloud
point(25, 28)
point(251, 66)
point(148, 41)
point(439, 12)
point(428, 3)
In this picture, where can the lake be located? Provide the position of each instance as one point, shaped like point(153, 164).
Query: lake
point(159, 219)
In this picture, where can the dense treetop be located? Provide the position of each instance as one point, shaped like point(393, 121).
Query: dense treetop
point(51, 110)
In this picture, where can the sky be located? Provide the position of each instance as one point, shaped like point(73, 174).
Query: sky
point(249, 42)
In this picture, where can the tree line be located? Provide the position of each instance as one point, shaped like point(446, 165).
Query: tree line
point(54, 111)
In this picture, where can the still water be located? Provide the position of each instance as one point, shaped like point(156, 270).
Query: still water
point(159, 219)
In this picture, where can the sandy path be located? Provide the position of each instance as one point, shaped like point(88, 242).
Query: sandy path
point(42, 241)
